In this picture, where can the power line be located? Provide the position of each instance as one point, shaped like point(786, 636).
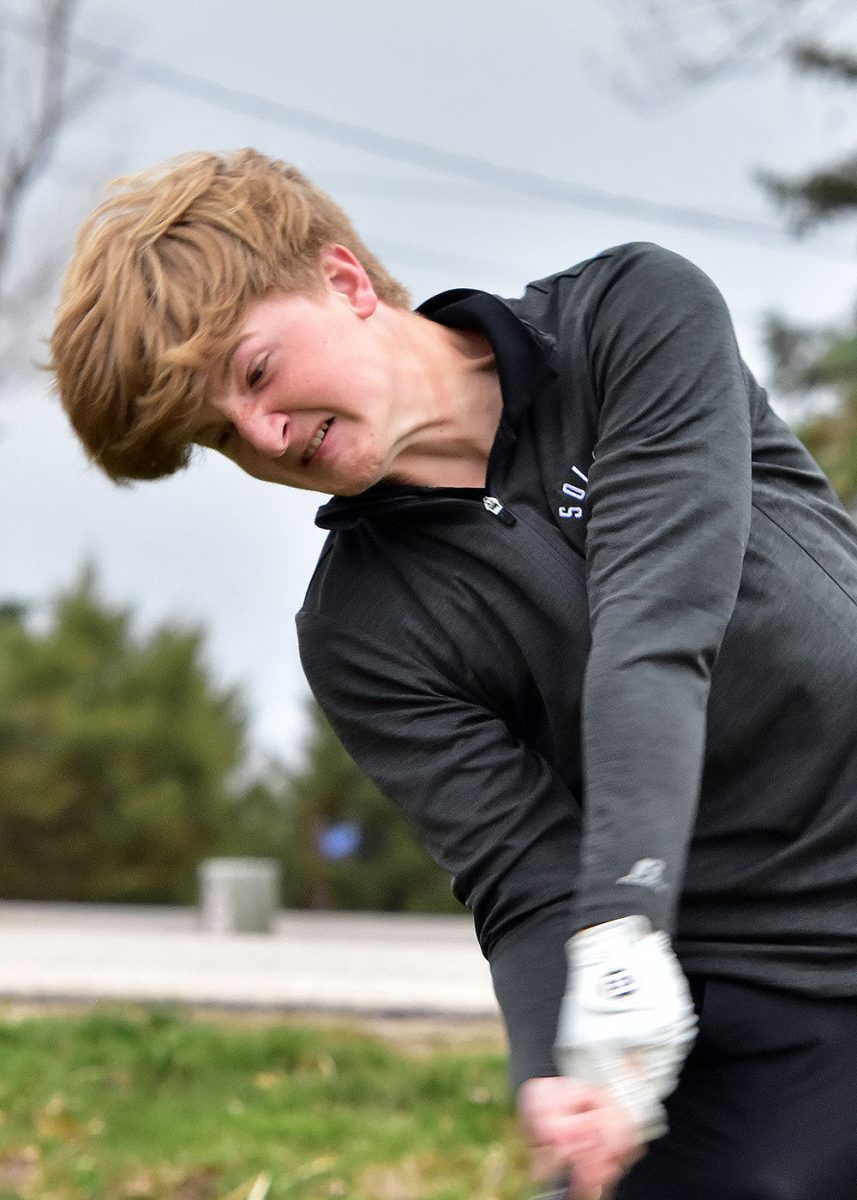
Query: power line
point(419, 154)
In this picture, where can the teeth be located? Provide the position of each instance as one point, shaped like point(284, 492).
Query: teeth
point(316, 441)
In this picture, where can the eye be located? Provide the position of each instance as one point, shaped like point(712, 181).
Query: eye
point(256, 372)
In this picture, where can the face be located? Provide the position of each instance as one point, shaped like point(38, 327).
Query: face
point(309, 397)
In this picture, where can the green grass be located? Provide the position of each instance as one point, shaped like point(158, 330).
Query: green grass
point(153, 1105)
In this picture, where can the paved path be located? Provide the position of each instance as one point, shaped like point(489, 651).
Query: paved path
point(342, 962)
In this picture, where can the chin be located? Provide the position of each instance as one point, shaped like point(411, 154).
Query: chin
point(359, 481)
point(351, 488)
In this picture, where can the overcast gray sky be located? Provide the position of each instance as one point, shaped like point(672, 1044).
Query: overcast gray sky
point(529, 87)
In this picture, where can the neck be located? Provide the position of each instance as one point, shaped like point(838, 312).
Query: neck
point(449, 401)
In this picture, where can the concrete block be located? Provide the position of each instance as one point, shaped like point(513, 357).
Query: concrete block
point(238, 895)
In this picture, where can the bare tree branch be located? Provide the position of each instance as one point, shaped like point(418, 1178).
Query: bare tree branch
point(27, 152)
point(681, 44)
point(39, 100)
point(811, 56)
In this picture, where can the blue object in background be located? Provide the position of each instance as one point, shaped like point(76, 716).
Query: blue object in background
point(338, 841)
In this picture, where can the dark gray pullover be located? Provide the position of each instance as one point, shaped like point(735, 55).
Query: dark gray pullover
point(629, 683)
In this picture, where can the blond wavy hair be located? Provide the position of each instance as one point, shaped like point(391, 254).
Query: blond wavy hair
point(153, 297)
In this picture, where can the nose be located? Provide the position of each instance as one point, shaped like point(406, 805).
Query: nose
point(268, 433)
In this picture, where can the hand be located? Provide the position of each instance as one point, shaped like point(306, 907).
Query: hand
point(627, 1021)
point(572, 1127)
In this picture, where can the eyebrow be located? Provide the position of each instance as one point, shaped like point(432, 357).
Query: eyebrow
point(209, 427)
point(205, 434)
point(232, 350)
point(226, 365)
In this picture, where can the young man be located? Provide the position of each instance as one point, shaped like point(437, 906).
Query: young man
point(588, 612)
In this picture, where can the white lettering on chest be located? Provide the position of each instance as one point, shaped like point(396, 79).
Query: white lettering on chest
point(576, 492)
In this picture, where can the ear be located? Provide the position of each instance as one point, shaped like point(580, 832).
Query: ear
point(345, 275)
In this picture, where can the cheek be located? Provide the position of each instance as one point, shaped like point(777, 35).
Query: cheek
point(258, 466)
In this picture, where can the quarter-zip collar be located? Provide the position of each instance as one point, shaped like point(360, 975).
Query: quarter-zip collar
point(525, 366)
point(389, 499)
point(524, 354)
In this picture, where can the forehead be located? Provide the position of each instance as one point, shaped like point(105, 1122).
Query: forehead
point(280, 313)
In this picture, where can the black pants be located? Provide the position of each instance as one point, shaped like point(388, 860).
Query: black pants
point(766, 1108)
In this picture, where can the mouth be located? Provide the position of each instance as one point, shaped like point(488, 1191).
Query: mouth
point(317, 439)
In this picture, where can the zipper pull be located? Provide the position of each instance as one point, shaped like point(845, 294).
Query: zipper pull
point(496, 508)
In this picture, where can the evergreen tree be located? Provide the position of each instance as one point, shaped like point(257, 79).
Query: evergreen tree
point(829, 191)
point(352, 848)
point(116, 753)
point(808, 359)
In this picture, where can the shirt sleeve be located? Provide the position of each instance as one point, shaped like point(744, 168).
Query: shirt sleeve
point(669, 494)
point(492, 812)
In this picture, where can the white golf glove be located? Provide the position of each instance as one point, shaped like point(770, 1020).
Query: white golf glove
point(626, 1022)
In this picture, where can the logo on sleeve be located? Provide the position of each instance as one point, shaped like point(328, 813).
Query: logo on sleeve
point(647, 873)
